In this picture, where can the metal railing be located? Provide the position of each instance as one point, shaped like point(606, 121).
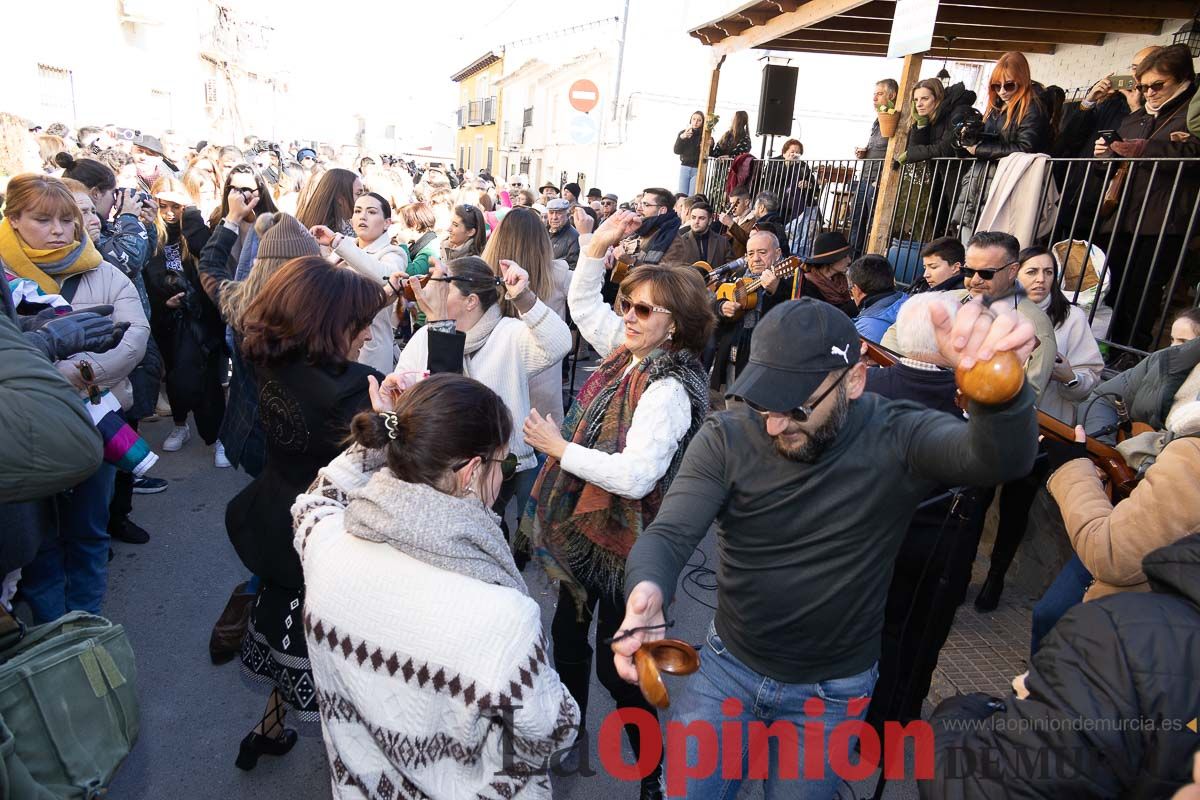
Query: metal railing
point(1119, 229)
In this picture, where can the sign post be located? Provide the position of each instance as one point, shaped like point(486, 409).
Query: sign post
point(584, 95)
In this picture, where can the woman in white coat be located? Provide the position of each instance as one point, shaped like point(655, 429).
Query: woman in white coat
point(461, 303)
point(371, 254)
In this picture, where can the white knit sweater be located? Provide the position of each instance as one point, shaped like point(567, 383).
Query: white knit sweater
point(377, 261)
point(423, 676)
point(660, 421)
point(515, 350)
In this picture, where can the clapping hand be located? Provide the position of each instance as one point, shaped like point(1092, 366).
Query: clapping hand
point(620, 225)
point(322, 234)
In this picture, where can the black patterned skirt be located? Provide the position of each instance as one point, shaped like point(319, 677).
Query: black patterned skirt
point(275, 654)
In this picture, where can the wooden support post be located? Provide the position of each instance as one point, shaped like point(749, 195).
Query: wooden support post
point(705, 136)
point(889, 179)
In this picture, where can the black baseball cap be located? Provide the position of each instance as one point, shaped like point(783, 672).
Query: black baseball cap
point(794, 348)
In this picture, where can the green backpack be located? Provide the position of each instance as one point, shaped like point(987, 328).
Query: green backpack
point(68, 708)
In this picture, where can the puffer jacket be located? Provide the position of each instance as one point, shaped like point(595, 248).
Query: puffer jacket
point(878, 313)
point(1030, 134)
point(1148, 203)
point(127, 244)
point(105, 285)
point(936, 140)
point(1147, 389)
point(1112, 540)
point(1110, 665)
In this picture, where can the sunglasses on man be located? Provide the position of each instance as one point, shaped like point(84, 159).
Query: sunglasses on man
point(986, 274)
point(641, 310)
point(803, 413)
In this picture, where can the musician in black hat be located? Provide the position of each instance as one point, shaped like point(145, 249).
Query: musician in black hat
point(825, 273)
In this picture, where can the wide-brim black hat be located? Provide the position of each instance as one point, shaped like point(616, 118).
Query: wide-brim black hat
point(828, 248)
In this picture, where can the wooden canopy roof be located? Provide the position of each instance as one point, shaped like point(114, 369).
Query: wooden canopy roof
point(966, 29)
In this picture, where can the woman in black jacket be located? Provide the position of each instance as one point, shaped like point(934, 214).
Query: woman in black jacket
point(1158, 198)
point(186, 325)
point(736, 140)
point(936, 112)
point(1016, 119)
point(687, 147)
point(310, 387)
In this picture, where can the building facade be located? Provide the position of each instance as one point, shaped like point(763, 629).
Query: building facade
point(477, 140)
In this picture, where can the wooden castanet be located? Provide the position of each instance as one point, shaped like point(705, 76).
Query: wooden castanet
point(408, 290)
point(663, 655)
point(621, 267)
point(994, 381)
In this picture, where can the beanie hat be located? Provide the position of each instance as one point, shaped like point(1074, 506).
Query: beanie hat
point(283, 238)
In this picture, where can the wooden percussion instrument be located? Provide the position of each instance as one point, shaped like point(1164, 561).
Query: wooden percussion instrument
point(663, 655)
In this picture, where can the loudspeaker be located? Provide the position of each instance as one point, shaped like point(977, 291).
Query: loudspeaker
point(777, 100)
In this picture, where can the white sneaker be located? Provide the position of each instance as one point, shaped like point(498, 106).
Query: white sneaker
point(177, 438)
point(219, 459)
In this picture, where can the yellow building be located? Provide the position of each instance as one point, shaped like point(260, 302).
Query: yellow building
point(477, 140)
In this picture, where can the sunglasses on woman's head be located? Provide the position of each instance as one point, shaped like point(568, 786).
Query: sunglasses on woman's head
point(804, 412)
point(642, 310)
point(508, 465)
point(1008, 86)
point(1155, 87)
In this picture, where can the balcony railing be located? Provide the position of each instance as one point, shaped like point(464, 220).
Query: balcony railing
point(1121, 244)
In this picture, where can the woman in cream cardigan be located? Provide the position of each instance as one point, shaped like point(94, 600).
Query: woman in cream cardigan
point(419, 625)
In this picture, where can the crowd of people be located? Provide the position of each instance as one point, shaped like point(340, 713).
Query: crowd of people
point(1116, 190)
point(383, 348)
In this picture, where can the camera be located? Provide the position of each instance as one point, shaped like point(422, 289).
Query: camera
point(970, 130)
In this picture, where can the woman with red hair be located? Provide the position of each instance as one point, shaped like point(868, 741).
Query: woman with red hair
point(1016, 120)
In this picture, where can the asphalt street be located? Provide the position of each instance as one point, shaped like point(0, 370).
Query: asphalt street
point(168, 593)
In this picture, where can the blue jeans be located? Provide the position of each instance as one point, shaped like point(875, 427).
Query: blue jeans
point(687, 179)
point(70, 572)
point(722, 678)
point(1066, 591)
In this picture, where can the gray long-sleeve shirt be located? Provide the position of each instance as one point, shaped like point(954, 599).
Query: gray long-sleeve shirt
point(806, 550)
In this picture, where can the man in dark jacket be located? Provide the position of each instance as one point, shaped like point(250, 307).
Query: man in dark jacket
point(564, 239)
point(1109, 696)
point(700, 243)
point(800, 596)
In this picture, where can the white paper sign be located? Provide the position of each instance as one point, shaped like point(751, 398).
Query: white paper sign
point(912, 27)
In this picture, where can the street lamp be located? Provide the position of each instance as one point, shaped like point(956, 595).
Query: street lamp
point(1189, 36)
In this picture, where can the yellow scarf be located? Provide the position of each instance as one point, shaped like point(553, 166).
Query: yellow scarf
point(46, 267)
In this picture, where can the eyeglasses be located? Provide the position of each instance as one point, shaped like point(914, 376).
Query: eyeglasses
point(642, 310)
point(986, 274)
point(1008, 86)
point(508, 465)
point(644, 204)
point(1155, 87)
point(804, 412)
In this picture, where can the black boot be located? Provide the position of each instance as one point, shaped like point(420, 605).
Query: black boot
point(652, 788)
point(989, 595)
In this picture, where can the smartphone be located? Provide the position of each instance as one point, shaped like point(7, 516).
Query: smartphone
point(1122, 81)
point(1109, 136)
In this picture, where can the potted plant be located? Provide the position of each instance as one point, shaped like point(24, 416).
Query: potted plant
point(889, 118)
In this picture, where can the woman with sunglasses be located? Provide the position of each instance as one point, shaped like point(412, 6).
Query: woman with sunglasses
point(310, 388)
point(618, 448)
point(1016, 119)
point(418, 546)
point(1155, 202)
point(461, 303)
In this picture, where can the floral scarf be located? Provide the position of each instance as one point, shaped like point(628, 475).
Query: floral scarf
point(579, 532)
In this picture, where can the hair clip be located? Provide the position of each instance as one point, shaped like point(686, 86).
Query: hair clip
point(392, 423)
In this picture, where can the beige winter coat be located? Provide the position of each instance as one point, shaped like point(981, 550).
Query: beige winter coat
point(1111, 541)
point(107, 285)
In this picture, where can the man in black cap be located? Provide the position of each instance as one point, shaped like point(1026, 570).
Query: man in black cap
point(812, 484)
point(571, 192)
point(608, 206)
point(594, 194)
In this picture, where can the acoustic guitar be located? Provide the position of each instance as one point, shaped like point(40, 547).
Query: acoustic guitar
point(745, 290)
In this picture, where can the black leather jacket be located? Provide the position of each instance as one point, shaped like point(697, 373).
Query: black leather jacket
point(1030, 134)
point(936, 140)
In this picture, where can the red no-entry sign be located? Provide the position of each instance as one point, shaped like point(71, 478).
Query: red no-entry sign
point(584, 95)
